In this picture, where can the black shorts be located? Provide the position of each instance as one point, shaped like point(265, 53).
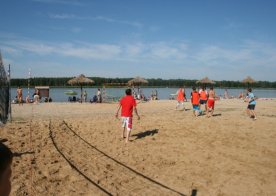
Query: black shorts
point(202, 101)
point(251, 107)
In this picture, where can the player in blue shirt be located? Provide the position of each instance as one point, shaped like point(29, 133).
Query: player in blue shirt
point(251, 104)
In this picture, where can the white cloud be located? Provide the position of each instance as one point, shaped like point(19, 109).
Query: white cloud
point(10, 50)
point(123, 52)
point(219, 62)
point(134, 50)
point(98, 51)
point(244, 53)
point(65, 16)
point(167, 51)
point(111, 20)
point(156, 51)
point(34, 47)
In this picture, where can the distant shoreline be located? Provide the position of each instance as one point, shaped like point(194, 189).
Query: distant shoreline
point(62, 82)
point(101, 86)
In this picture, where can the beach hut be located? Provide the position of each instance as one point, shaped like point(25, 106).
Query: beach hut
point(80, 81)
point(44, 91)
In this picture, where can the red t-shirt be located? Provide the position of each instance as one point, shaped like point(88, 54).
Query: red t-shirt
point(203, 95)
point(195, 98)
point(127, 103)
point(180, 95)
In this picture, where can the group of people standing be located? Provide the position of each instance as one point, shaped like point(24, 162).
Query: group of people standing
point(198, 98)
point(97, 98)
point(207, 99)
point(203, 97)
point(19, 97)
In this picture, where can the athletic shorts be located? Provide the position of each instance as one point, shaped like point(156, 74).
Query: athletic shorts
point(211, 103)
point(251, 107)
point(127, 122)
point(202, 101)
point(195, 107)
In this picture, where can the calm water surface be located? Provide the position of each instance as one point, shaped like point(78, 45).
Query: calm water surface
point(57, 94)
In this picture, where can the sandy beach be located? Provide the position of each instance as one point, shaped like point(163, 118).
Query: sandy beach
point(76, 149)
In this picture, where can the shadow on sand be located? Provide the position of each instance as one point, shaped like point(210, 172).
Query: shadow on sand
point(19, 154)
point(216, 114)
point(145, 134)
point(3, 140)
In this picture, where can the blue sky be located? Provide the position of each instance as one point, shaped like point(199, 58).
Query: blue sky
point(169, 39)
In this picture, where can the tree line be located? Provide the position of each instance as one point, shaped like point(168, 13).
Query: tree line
point(122, 82)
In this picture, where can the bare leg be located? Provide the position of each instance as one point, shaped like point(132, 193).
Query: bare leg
point(20, 101)
point(248, 112)
point(183, 106)
point(128, 134)
point(196, 113)
point(208, 113)
point(123, 133)
point(254, 114)
point(177, 105)
point(212, 111)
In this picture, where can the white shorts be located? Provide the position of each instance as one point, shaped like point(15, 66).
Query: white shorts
point(127, 122)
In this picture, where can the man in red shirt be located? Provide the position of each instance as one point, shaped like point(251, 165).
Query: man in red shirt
point(127, 103)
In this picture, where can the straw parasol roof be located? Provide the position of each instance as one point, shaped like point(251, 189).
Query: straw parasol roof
point(137, 81)
point(205, 81)
point(248, 80)
point(80, 81)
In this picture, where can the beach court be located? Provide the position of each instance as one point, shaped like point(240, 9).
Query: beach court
point(76, 149)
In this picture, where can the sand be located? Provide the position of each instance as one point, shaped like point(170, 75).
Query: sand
point(76, 149)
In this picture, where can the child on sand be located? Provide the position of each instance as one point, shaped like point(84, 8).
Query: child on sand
point(195, 102)
point(127, 103)
point(5, 169)
point(251, 104)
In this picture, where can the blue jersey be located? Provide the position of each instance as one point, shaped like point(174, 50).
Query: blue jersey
point(251, 99)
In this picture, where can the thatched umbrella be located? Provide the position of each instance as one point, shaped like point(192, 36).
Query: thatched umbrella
point(80, 81)
point(205, 81)
point(137, 81)
point(248, 80)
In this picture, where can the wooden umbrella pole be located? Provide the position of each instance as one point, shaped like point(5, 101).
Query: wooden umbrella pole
point(81, 93)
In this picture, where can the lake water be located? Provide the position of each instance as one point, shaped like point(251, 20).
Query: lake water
point(57, 94)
